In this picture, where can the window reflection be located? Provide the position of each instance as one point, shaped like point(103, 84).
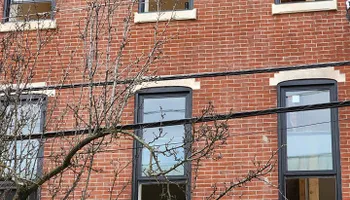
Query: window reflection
point(309, 137)
point(168, 141)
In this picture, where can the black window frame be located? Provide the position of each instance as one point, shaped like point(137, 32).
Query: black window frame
point(138, 179)
point(282, 88)
point(7, 5)
point(23, 99)
point(141, 8)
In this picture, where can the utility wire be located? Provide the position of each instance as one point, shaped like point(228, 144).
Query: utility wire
point(193, 120)
point(181, 76)
point(231, 135)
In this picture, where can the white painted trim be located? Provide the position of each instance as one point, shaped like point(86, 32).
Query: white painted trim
point(146, 5)
point(165, 16)
point(327, 73)
point(304, 7)
point(191, 83)
point(140, 192)
point(49, 93)
point(13, 12)
point(31, 25)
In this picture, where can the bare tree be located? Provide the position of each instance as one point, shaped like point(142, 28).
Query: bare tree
point(52, 141)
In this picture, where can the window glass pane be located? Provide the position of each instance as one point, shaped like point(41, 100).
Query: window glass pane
point(28, 119)
point(309, 135)
point(164, 5)
point(31, 114)
point(23, 158)
point(21, 11)
point(167, 141)
point(311, 188)
point(159, 192)
point(163, 109)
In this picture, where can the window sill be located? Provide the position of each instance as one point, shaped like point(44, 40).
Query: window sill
point(165, 16)
point(304, 7)
point(28, 26)
point(47, 92)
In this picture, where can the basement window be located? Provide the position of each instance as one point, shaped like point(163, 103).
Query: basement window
point(28, 10)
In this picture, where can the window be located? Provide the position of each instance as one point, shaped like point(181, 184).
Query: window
point(27, 10)
point(23, 157)
point(164, 10)
point(169, 143)
point(309, 161)
point(295, 6)
point(164, 5)
point(295, 1)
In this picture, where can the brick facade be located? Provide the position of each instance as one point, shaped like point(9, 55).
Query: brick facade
point(226, 36)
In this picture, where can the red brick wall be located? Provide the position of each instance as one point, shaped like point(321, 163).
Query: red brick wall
point(227, 35)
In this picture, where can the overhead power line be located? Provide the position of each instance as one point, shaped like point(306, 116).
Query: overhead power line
point(193, 120)
point(186, 76)
point(231, 135)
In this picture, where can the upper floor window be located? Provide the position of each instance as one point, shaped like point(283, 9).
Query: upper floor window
point(168, 142)
point(296, 1)
point(295, 6)
point(22, 157)
point(27, 10)
point(309, 158)
point(164, 5)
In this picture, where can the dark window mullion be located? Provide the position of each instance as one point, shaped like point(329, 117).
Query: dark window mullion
point(7, 10)
point(336, 140)
point(160, 179)
point(309, 173)
point(142, 6)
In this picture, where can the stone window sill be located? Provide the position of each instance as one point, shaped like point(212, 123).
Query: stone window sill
point(165, 16)
point(311, 6)
point(28, 26)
